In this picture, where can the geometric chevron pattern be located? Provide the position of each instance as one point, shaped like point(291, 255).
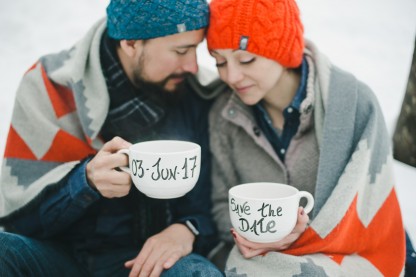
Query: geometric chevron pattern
point(33, 169)
point(357, 232)
point(58, 113)
point(61, 98)
point(61, 146)
point(33, 153)
point(356, 228)
point(16, 147)
point(351, 236)
point(366, 240)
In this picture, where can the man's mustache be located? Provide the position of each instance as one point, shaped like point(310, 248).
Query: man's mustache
point(162, 83)
point(175, 76)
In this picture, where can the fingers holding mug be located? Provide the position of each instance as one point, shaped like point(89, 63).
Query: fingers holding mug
point(163, 169)
point(268, 212)
point(101, 171)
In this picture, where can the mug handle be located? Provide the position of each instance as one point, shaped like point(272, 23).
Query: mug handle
point(310, 199)
point(126, 168)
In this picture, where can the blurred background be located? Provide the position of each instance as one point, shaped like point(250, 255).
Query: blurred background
point(373, 39)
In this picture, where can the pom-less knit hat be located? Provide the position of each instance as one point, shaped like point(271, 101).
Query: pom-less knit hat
point(269, 28)
point(146, 19)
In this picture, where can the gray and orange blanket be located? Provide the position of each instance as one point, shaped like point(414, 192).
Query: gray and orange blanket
point(356, 228)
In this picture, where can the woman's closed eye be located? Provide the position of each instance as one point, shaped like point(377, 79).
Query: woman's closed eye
point(220, 64)
point(248, 61)
point(243, 62)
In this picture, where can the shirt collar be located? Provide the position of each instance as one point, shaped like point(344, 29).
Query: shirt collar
point(300, 92)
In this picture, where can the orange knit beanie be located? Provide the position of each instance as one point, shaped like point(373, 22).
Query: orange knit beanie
point(269, 28)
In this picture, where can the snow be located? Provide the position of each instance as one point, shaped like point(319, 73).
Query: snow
point(373, 39)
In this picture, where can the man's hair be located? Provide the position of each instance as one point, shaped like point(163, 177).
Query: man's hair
point(116, 42)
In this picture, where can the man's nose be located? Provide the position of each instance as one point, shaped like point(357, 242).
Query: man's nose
point(190, 65)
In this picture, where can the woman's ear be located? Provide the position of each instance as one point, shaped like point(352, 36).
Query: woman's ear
point(130, 47)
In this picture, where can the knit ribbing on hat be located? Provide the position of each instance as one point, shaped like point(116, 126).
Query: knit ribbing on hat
point(272, 27)
point(146, 19)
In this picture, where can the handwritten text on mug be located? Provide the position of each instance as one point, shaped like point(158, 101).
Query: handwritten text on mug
point(164, 173)
point(264, 224)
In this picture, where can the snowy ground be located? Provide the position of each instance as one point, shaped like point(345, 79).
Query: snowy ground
point(371, 38)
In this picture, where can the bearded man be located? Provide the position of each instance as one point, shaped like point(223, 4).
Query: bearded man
point(67, 209)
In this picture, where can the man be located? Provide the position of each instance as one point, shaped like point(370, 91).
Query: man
point(68, 210)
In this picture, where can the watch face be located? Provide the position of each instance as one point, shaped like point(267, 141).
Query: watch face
point(191, 227)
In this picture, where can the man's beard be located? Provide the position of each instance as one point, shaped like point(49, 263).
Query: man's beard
point(156, 90)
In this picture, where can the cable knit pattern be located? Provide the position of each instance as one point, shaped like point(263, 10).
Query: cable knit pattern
point(273, 28)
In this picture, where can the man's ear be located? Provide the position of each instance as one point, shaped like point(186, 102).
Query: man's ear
point(130, 47)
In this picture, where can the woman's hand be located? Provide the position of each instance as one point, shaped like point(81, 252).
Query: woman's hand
point(251, 249)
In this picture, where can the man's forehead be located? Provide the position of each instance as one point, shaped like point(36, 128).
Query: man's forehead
point(187, 39)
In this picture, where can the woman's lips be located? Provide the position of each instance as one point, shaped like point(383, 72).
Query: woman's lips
point(243, 89)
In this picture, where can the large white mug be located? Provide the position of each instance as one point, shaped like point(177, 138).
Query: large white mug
point(265, 212)
point(164, 168)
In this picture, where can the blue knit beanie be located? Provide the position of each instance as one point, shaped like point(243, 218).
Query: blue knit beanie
point(145, 19)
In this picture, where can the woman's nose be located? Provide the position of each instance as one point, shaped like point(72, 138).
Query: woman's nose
point(234, 74)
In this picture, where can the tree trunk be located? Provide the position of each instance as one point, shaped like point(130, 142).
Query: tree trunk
point(404, 138)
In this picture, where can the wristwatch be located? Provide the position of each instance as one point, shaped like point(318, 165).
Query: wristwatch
point(190, 226)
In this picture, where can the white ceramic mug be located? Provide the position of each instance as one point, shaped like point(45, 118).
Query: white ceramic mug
point(164, 168)
point(265, 212)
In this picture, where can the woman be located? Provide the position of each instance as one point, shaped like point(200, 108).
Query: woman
point(292, 117)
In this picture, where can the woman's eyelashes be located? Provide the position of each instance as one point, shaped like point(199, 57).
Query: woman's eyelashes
point(243, 62)
point(248, 61)
point(220, 64)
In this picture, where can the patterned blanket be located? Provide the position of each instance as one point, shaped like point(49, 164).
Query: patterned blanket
point(356, 228)
point(60, 107)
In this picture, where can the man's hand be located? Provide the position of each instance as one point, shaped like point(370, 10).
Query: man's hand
point(101, 172)
point(162, 251)
point(251, 249)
